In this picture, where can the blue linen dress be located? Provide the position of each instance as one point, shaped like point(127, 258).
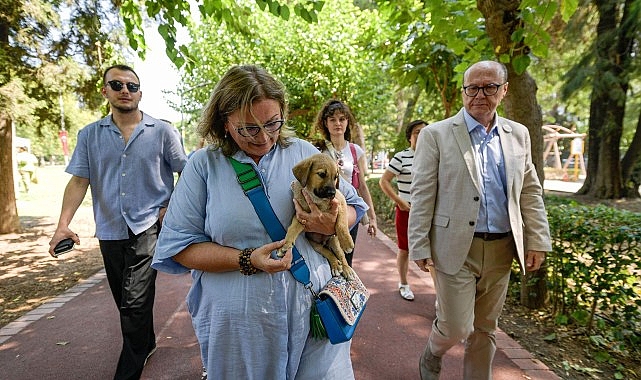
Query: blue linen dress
point(249, 327)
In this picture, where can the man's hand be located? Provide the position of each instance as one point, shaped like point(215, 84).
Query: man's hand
point(161, 214)
point(61, 234)
point(533, 260)
point(426, 265)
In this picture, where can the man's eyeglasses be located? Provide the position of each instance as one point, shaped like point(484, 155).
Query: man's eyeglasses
point(252, 130)
point(489, 90)
point(117, 85)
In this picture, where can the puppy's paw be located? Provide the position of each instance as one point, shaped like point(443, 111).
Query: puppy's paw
point(280, 253)
point(336, 267)
point(347, 245)
point(347, 272)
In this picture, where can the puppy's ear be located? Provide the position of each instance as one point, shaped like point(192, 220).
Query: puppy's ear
point(301, 171)
point(337, 173)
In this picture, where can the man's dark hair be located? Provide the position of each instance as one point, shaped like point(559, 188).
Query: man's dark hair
point(411, 126)
point(119, 67)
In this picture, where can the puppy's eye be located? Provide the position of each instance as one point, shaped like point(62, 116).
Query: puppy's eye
point(322, 174)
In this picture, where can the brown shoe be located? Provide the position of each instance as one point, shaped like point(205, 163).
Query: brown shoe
point(429, 365)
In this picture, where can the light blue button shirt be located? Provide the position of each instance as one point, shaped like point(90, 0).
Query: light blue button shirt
point(490, 164)
point(129, 182)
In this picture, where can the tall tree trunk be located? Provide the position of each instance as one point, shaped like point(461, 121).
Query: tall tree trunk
point(412, 99)
point(616, 32)
point(630, 159)
point(520, 104)
point(10, 222)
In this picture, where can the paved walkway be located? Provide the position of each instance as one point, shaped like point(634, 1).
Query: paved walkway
point(77, 336)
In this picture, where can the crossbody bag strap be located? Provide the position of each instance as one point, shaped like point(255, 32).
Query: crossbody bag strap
point(253, 188)
point(355, 171)
point(353, 150)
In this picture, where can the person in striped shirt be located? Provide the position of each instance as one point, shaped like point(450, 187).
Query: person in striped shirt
point(400, 166)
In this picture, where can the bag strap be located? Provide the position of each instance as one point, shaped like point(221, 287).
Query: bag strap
point(356, 169)
point(253, 188)
point(351, 147)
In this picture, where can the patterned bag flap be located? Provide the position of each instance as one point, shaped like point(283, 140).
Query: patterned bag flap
point(349, 296)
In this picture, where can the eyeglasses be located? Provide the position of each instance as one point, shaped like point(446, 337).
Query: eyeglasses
point(489, 90)
point(117, 85)
point(252, 130)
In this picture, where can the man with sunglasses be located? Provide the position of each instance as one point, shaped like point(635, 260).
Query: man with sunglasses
point(128, 159)
point(476, 205)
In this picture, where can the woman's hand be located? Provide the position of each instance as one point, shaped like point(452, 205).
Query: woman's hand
point(261, 258)
point(316, 220)
point(372, 228)
point(403, 205)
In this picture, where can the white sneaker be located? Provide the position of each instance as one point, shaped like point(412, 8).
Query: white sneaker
point(406, 292)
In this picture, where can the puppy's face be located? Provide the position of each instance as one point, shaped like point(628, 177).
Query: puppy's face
point(318, 174)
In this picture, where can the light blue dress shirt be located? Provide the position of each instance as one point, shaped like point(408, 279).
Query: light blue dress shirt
point(249, 327)
point(490, 164)
point(129, 182)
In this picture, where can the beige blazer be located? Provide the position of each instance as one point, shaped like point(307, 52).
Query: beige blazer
point(445, 194)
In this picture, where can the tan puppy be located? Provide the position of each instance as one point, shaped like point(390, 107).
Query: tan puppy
point(319, 175)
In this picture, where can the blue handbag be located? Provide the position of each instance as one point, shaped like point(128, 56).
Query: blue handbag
point(340, 303)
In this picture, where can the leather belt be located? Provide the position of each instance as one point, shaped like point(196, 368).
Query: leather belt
point(489, 236)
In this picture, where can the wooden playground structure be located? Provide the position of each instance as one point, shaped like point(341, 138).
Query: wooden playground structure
point(551, 135)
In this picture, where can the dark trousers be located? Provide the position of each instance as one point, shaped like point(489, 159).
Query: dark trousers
point(133, 286)
point(353, 232)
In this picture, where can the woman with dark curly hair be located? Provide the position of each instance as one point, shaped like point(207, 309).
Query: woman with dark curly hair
point(334, 121)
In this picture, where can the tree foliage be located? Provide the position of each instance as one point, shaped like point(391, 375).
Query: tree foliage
point(51, 56)
point(316, 62)
point(173, 13)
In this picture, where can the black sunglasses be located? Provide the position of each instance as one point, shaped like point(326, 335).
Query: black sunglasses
point(117, 85)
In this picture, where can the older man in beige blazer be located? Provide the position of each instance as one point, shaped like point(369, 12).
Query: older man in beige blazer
point(476, 205)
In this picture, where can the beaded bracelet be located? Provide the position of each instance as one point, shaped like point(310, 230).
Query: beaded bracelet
point(246, 266)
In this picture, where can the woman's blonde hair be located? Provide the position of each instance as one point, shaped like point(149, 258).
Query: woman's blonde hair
point(239, 89)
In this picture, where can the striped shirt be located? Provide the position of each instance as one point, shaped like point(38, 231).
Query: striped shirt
point(401, 166)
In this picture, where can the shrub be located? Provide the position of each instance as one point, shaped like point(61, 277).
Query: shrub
point(383, 206)
point(594, 272)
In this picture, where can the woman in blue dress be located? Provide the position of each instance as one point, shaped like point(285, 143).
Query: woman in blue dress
point(251, 317)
